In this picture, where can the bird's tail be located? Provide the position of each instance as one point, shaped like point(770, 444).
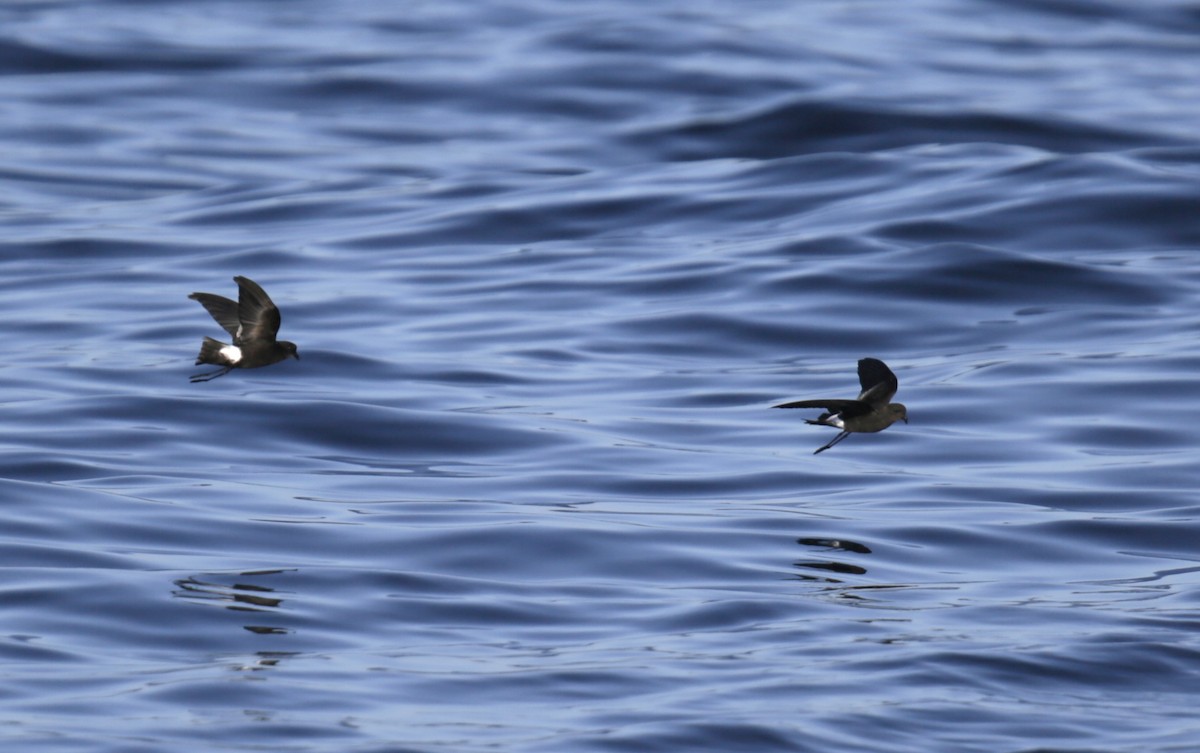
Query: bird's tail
point(210, 352)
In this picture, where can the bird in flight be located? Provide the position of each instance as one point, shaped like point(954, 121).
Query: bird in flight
point(252, 321)
point(872, 411)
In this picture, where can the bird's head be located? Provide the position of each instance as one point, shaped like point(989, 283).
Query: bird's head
point(290, 348)
point(898, 412)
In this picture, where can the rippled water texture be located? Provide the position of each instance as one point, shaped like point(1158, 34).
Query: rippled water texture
point(548, 267)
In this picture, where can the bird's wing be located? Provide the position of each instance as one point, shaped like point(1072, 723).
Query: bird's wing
point(878, 382)
point(222, 309)
point(844, 408)
point(258, 314)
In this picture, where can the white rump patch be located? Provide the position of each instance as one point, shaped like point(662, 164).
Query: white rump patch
point(231, 353)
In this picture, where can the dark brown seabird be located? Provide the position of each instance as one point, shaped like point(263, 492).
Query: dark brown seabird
point(872, 411)
point(252, 322)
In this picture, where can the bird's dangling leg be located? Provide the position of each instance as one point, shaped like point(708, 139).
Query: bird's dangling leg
point(210, 375)
point(832, 442)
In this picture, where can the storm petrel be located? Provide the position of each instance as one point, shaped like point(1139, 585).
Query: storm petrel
point(252, 320)
point(871, 412)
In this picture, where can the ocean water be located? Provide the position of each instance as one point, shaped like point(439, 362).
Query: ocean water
point(548, 267)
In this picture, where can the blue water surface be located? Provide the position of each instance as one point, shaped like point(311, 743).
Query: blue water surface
point(548, 267)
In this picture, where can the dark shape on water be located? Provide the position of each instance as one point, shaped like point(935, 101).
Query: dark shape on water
point(870, 412)
point(835, 567)
point(846, 546)
point(252, 321)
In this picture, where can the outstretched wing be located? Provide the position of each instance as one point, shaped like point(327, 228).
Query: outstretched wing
point(222, 309)
point(878, 382)
point(258, 315)
point(844, 408)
